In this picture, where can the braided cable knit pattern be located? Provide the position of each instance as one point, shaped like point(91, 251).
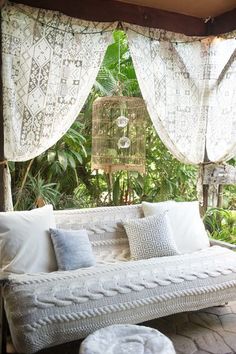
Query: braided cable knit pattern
point(125, 306)
point(200, 260)
point(98, 290)
point(104, 227)
point(82, 301)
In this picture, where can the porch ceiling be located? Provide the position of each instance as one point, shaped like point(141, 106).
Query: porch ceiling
point(182, 16)
point(199, 8)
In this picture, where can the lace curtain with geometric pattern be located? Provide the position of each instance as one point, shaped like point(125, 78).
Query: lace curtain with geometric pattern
point(189, 85)
point(50, 62)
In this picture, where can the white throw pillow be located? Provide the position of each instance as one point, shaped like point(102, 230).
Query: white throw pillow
point(150, 237)
point(150, 209)
point(188, 229)
point(25, 243)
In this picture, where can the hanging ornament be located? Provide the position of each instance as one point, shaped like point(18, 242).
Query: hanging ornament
point(123, 143)
point(122, 121)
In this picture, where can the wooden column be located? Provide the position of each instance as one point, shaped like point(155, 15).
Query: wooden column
point(3, 326)
point(205, 187)
point(220, 197)
point(204, 190)
point(3, 321)
point(2, 158)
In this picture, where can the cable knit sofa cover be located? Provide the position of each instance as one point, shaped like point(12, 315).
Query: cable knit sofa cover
point(48, 309)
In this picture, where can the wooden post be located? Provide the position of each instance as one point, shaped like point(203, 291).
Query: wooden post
point(2, 158)
point(3, 326)
point(205, 189)
point(3, 321)
point(220, 196)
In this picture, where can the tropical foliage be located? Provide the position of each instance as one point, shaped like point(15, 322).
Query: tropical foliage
point(221, 224)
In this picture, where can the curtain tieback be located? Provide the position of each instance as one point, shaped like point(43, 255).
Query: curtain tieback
point(4, 162)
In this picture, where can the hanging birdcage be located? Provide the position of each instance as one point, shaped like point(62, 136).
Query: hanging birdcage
point(118, 134)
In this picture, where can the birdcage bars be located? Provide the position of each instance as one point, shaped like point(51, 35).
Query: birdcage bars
point(118, 134)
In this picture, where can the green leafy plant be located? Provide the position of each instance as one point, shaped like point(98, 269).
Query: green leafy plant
point(221, 224)
point(38, 193)
point(53, 171)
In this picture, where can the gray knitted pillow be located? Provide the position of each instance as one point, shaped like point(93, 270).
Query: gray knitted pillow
point(150, 237)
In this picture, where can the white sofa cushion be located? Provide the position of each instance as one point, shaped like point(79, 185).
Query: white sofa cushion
point(150, 209)
point(150, 237)
point(188, 229)
point(25, 243)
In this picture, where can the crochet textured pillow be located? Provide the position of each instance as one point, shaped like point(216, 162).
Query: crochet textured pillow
point(150, 237)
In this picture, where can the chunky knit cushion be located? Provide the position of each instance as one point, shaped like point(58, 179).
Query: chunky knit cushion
point(150, 237)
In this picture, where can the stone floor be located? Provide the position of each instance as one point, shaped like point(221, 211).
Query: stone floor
point(211, 330)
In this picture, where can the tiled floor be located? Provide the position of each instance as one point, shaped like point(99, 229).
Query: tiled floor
point(210, 330)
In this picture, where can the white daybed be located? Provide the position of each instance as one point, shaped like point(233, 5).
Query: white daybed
point(51, 308)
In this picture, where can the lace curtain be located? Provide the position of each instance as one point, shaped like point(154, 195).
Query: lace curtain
point(189, 88)
point(50, 62)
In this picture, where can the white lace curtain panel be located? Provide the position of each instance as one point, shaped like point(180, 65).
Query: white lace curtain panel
point(49, 64)
point(189, 86)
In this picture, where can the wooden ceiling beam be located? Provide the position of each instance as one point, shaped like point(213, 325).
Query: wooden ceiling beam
point(110, 11)
point(224, 23)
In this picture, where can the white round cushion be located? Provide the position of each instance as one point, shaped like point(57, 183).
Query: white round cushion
point(123, 339)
